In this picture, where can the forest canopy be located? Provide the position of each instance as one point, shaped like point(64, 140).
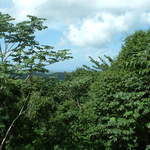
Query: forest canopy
point(103, 107)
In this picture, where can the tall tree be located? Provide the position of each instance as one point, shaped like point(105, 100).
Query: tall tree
point(21, 53)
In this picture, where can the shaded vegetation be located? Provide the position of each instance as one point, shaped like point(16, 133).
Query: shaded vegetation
point(104, 107)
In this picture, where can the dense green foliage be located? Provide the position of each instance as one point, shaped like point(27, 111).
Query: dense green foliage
point(106, 107)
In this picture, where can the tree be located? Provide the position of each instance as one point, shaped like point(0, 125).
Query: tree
point(114, 103)
point(19, 50)
point(101, 64)
point(119, 98)
point(135, 53)
point(21, 53)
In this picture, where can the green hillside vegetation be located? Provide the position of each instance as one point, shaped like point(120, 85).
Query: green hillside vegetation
point(103, 107)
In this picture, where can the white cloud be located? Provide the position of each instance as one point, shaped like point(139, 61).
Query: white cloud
point(88, 23)
point(104, 27)
point(68, 11)
point(96, 31)
point(25, 7)
point(90, 27)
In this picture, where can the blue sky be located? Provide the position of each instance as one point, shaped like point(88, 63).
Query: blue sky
point(86, 27)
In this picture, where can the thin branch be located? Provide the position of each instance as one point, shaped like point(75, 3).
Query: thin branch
point(16, 118)
point(78, 104)
point(27, 78)
point(1, 52)
point(13, 122)
point(11, 52)
point(10, 48)
point(6, 45)
point(0, 48)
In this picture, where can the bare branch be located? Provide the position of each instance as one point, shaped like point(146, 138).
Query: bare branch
point(1, 53)
point(11, 47)
point(6, 45)
point(10, 51)
point(13, 122)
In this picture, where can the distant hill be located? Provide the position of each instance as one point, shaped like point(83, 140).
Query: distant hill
point(57, 75)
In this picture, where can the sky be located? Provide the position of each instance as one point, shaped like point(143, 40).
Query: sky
point(86, 27)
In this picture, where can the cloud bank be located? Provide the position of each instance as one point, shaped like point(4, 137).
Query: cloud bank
point(88, 23)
